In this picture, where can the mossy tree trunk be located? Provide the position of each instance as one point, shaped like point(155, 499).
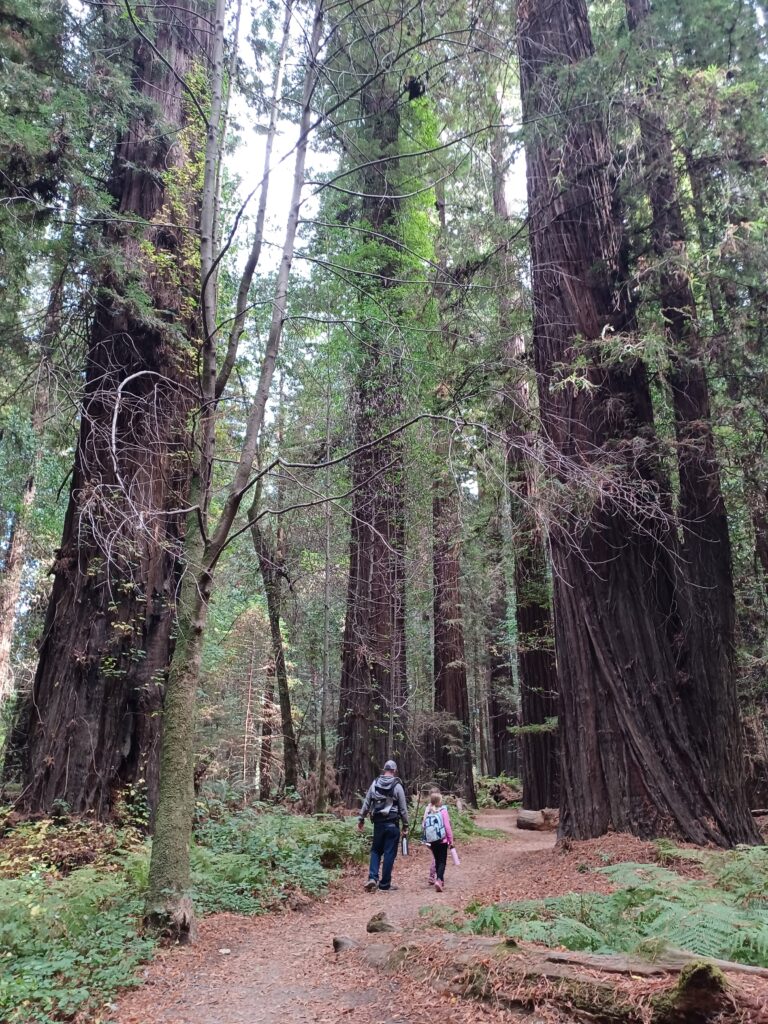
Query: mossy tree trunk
point(373, 672)
point(168, 906)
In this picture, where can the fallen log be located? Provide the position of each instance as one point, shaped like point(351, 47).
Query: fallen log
point(670, 962)
point(545, 820)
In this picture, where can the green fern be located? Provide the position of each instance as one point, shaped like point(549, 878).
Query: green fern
point(653, 909)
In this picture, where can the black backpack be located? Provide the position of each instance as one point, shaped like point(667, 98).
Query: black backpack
point(384, 799)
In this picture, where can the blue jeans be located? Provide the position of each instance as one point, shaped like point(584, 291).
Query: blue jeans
point(386, 836)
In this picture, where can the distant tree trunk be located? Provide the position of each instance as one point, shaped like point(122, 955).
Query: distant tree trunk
point(454, 755)
point(265, 755)
point(373, 672)
point(708, 688)
point(502, 709)
point(92, 723)
point(539, 703)
point(13, 563)
point(10, 586)
point(271, 564)
point(536, 665)
point(629, 761)
point(322, 784)
point(454, 743)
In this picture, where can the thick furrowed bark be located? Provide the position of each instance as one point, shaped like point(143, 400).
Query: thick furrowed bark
point(708, 685)
point(629, 759)
point(91, 725)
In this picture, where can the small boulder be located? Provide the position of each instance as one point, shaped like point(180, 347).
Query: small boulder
point(342, 942)
point(379, 923)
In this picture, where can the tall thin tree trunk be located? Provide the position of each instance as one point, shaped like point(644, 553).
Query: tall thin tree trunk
point(629, 760)
point(373, 673)
point(92, 723)
point(271, 565)
point(454, 744)
point(271, 557)
point(502, 700)
point(265, 755)
point(248, 724)
point(454, 754)
point(322, 785)
point(537, 668)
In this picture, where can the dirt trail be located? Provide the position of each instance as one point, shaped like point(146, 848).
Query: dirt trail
point(281, 969)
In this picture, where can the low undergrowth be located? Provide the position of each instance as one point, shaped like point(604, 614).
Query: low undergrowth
point(723, 915)
point(498, 791)
point(71, 898)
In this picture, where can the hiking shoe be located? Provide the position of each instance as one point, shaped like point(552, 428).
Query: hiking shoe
point(438, 886)
point(431, 881)
point(371, 884)
point(391, 888)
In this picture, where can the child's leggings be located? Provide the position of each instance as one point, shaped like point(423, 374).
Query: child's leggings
point(440, 853)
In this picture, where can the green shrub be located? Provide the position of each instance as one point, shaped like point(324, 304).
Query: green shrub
point(249, 862)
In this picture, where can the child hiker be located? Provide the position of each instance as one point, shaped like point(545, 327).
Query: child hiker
point(437, 832)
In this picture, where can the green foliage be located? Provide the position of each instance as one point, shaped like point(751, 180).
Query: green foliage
point(252, 861)
point(653, 909)
point(71, 936)
point(489, 787)
point(67, 944)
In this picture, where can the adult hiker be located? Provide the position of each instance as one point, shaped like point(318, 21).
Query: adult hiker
point(385, 802)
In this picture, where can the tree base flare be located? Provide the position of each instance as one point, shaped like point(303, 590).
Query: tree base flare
point(174, 921)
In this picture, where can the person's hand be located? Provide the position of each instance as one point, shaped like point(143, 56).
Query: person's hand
point(360, 826)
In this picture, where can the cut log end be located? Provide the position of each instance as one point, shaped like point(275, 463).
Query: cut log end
point(545, 820)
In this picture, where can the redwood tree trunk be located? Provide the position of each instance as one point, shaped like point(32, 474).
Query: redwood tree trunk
point(539, 703)
point(502, 701)
point(629, 759)
point(708, 685)
point(537, 668)
point(92, 724)
point(373, 672)
point(453, 753)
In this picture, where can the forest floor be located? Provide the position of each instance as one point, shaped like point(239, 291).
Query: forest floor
point(281, 968)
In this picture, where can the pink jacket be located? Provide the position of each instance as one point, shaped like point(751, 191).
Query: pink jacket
point(446, 821)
